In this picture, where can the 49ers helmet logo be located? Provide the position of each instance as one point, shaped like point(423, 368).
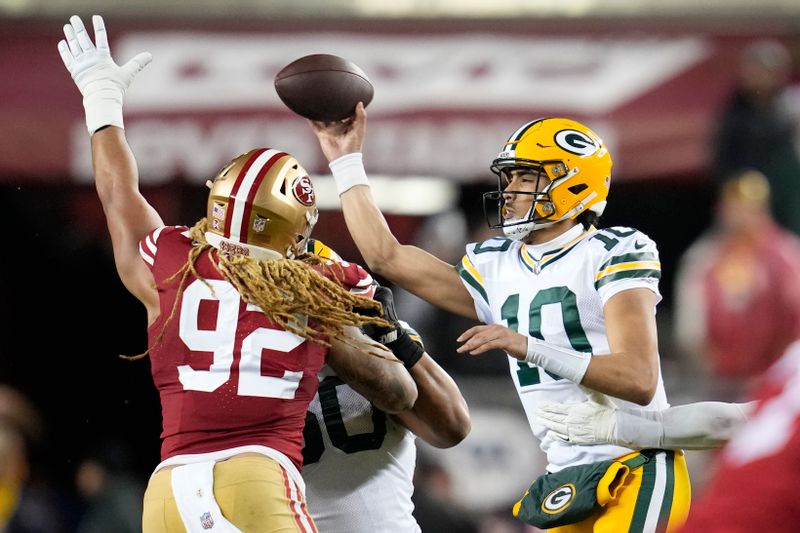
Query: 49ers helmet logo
point(559, 499)
point(303, 190)
point(576, 142)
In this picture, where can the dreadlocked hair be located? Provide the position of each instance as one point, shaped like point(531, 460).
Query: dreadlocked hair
point(290, 292)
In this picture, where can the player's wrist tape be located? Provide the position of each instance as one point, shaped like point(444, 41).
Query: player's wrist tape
point(405, 349)
point(102, 98)
point(100, 114)
point(348, 171)
point(569, 364)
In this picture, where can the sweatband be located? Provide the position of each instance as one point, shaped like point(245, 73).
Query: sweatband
point(348, 171)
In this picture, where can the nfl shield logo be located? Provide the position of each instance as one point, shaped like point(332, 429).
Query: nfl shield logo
point(206, 521)
point(259, 224)
point(218, 211)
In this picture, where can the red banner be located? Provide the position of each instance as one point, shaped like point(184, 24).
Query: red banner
point(443, 103)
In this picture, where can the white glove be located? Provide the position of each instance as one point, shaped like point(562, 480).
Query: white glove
point(101, 81)
point(590, 422)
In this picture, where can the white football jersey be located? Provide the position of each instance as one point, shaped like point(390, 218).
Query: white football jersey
point(556, 292)
point(358, 464)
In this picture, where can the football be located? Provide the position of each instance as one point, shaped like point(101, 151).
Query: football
point(323, 87)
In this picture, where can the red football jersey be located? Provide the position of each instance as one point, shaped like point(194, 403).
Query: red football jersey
point(755, 487)
point(226, 375)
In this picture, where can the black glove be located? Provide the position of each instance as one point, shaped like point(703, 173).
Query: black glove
point(398, 337)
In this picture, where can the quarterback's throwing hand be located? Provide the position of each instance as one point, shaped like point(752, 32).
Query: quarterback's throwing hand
point(343, 137)
point(100, 80)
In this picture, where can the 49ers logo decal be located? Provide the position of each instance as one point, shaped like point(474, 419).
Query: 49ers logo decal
point(303, 190)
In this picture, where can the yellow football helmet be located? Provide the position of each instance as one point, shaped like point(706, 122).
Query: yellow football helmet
point(261, 204)
point(570, 156)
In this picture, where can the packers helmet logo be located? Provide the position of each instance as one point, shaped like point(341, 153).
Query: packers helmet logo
point(303, 190)
point(576, 142)
point(559, 499)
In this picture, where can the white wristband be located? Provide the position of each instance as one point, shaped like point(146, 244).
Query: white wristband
point(103, 108)
point(348, 171)
point(569, 364)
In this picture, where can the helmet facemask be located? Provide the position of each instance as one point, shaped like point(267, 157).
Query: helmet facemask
point(547, 174)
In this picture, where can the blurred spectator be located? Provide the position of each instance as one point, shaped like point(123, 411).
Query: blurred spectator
point(756, 129)
point(738, 289)
point(27, 505)
point(113, 493)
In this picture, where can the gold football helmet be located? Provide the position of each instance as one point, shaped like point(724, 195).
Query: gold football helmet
point(261, 204)
point(573, 160)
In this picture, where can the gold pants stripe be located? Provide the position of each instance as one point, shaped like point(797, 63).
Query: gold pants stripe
point(298, 505)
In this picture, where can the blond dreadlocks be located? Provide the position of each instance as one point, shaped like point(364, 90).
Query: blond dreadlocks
point(286, 290)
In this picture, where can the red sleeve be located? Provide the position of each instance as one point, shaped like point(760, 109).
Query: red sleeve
point(148, 247)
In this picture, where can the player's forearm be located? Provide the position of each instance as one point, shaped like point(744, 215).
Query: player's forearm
point(114, 165)
point(384, 381)
point(409, 267)
point(630, 377)
point(703, 425)
point(440, 415)
point(369, 230)
point(696, 426)
point(128, 214)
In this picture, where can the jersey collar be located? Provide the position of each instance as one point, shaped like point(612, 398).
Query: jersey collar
point(536, 256)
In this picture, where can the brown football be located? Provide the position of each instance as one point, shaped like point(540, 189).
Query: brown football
point(323, 87)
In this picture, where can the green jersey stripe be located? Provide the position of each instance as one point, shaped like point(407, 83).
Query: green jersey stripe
point(629, 258)
point(466, 276)
point(623, 274)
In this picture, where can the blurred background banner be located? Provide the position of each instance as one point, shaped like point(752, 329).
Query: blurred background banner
point(444, 100)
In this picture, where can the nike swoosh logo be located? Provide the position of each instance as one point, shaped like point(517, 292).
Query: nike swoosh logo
point(639, 246)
